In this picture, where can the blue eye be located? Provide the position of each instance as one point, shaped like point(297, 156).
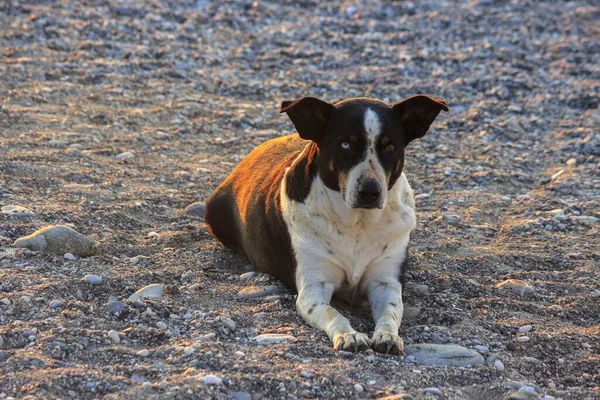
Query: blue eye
point(345, 145)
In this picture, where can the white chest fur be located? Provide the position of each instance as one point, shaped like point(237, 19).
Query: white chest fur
point(344, 243)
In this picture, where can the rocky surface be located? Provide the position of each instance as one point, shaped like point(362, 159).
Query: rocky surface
point(117, 115)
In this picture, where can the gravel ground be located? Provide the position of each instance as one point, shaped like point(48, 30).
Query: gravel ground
point(117, 115)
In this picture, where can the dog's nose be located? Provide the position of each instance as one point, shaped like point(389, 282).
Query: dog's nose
point(369, 191)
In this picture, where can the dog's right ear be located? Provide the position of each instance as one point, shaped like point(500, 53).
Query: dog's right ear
point(309, 116)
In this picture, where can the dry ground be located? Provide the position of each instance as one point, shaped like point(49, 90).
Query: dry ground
point(190, 87)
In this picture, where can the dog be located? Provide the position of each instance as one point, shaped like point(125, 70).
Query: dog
point(329, 211)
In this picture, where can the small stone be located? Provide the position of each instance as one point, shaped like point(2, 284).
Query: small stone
point(440, 354)
point(523, 339)
point(411, 312)
point(271, 338)
point(525, 328)
point(516, 285)
point(531, 360)
point(115, 307)
point(247, 276)
point(152, 234)
point(195, 210)
point(146, 385)
point(143, 353)
point(125, 156)
point(58, 239)
point(499, 365)
point(570, 379)
point(134, 260)
point(254, 292)
point(422, 288)
point(188, 351)
point(55, 303)
point(528, 389)
point(17, 211)
point(69, 256)
point(211, 380)
point(240, 395)
point(511, 346)
point(239, 354)
point(571, 161)
point(586, 219)
point(59, 144)
point(229, 324)
point(521, 396)
point(422, 196)
point(152, 290)
point(482, 349)
point(114, 336)
point(161, 325)
point(92, 279)
point(434, 391)
point(548, 227)
point(358, 388)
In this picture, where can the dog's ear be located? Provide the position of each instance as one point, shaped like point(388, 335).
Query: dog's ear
point(309, 116)
point(418, 113)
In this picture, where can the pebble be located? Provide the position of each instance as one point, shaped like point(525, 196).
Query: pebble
point(55, 303)
point(529, 389)
point(481, 348)
point(518, 286)
point(255, 292)
point(125, 156)
point(499, 365)
point(195, 210)
point(422, 196)
point(239, 354)
point(146, 385)
point(114, 336)
point(69, 256)
point(522, 396)
point(17, 211)
point(531, 360)
point(92, 279)
point(229, 323)
point(188, 351)
point(143, 353)
point(444, 354)
point(161, 325)
point(152, 234)
point(134, 260)
point(523, 339)
point(211, 380)
point(240, 395)
point(115, 307)
point(271, 338)
point(422, 288)
point(58, 239)
point(434, 391)
point(525, 328)
point(57, 143)
point(152, 290)
point(411, 312)
point(585, 219)
point(358, 388)
point(247, 276)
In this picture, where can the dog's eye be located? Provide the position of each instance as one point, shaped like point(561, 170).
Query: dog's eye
point(345, 145)
point(390, 147)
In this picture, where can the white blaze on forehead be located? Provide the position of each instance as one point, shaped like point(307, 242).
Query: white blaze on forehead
point(372, 124)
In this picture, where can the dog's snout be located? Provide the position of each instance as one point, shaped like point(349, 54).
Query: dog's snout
point(369, 192)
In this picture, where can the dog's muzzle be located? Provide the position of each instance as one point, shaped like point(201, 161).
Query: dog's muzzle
point(369, 194)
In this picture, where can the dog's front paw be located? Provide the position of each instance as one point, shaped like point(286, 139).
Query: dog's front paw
point(351, 341)
point(387, 343)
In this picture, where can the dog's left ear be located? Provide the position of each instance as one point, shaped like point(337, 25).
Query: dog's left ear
point(418, 113)
point(309, 116)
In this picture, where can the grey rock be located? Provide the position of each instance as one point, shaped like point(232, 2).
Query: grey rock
point(516, 285)
point(55, 303)
point(272, 338)
point(153, 290)
point(240, 395)
point(195, 210)
point(247, 276)
point(115, 307)
point(254, 292)
point(434, 391)
point(444, 354)
point(411, 312)
point(17, 211)
point(522, 396)
point(58, 239)
point(92, 279)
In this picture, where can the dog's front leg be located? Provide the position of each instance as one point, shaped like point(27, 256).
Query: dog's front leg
point(385, 297)
point(315, 289)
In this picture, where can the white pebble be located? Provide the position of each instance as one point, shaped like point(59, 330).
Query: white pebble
point(114, 336)
point(434, 391)
point(92, 279)
point(134, 260)
point(188, 351)
point(69, 256)
point(358, 387)
point(525, 329)
point(161, 325)
point(124, 156)
point(211, 380)
point(499, 365)
point(143, 353)
point(239, 354)
point(146, 385)
point(153, 234)
point(523, 339)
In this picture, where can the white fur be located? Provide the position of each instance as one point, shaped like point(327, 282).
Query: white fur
point(370, 167)
point(350, 252)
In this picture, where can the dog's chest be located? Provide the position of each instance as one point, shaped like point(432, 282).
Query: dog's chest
point(327, 233)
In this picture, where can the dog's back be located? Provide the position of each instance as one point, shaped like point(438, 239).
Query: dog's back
point(244, 211)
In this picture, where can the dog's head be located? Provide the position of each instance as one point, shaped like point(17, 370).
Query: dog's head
point(361, 141)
